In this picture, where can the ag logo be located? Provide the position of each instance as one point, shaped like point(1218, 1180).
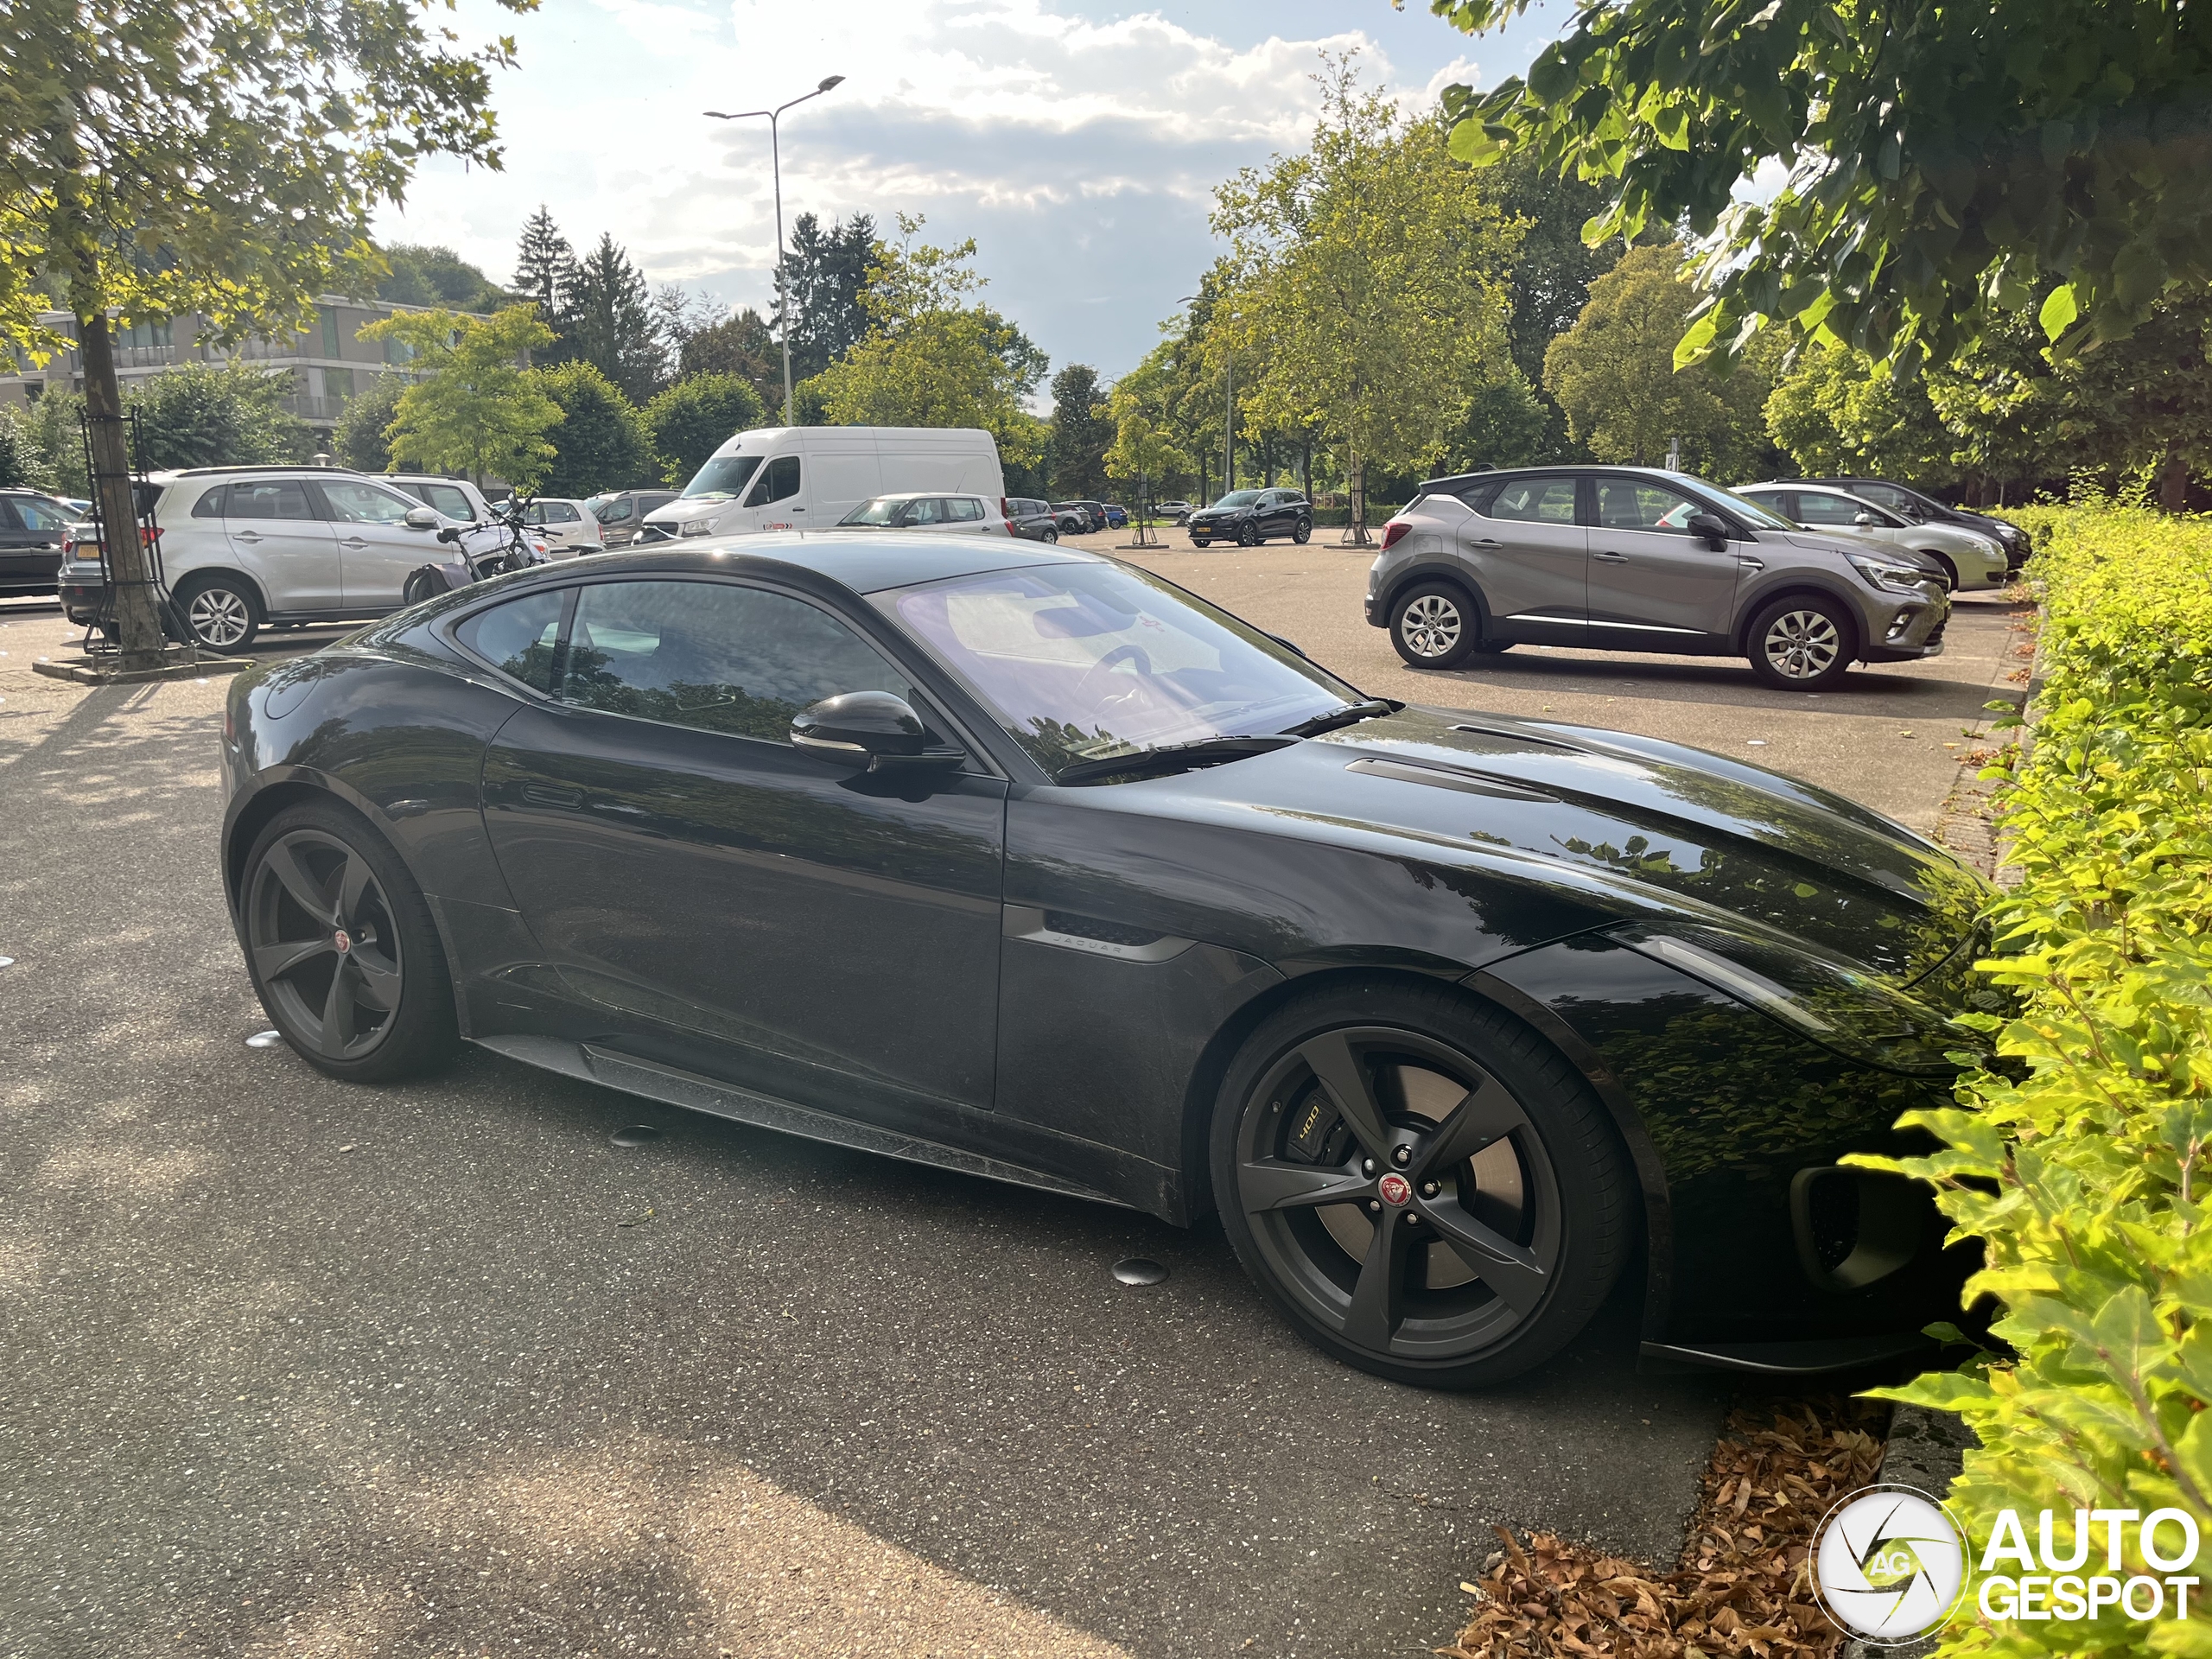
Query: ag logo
point(1889, 1563)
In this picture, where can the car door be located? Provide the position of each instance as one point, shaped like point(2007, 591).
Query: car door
point(1529, 553)
point(823, 937)
point(774, 497)
point(30, 543)
point(279, 537)
point(1649, 574)
point(924, 512)
point(965, 514)
point(377, 548)
point(1817, 511)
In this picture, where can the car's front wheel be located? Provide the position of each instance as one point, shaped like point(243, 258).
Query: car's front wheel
point(1422, 1185)
point(1803, 643)
point(1247, 534)
point(1201, 541)
point(1302, 532)
point(1052, 536)
point(342, 949)
point(1433, 626)
point(221, 613)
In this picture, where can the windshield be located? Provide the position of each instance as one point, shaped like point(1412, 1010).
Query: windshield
point(1751, 512)
point(883, 510)
point(1093, 662)
point(1238, 498)
point(721, 477)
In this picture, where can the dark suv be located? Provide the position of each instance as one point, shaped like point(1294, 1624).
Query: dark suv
point(1249, 516)
point(31, 522)
point(1903, 498)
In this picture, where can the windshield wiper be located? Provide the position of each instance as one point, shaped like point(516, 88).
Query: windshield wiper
point(1170, 756)
point(1329, 723)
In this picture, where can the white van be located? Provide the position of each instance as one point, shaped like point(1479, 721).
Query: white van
point(809, 477)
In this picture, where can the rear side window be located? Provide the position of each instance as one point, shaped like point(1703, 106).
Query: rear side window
point(447, 499)
point(274, 498)
point(210, 504)
point(966, 509)
point(519, 636)
point(1535, 500)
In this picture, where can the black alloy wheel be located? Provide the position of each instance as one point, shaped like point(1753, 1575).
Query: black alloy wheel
point(1422, 1213)
point(1248, 533)
point(1302, 532)
point(342, 948)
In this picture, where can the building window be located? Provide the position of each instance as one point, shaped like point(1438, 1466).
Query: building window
point(398, 350)
point(339, 383)
point(329, 331)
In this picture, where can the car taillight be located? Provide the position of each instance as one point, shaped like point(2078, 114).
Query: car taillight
point(1005, 511)
point(1393, 532)
point(1010, 529)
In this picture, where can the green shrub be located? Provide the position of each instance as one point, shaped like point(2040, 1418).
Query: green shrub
point(2082, 1159)
point(696, 417)
point(600, 442)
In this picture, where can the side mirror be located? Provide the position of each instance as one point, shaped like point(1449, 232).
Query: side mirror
point(1708, 528)
point(421, 519)
point(1865, 520)
point(871, 730)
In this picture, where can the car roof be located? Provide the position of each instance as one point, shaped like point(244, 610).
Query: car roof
point(865, 562)
point(1496, 474)
point(912, 495)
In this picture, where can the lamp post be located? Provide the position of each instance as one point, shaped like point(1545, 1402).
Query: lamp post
point(1228, 410)
point(776, 162)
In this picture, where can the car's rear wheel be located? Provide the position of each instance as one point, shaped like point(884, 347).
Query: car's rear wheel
point(1302, 532)
point(221, 613)
point(1433, 625)
point(342, 948)
point(1422, 1185)
point(1802, 644)
point(1247, 534)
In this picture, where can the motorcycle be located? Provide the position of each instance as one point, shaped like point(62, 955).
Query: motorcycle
point(499, 545)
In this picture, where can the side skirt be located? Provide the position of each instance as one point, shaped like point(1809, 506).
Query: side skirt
point(672, 1087)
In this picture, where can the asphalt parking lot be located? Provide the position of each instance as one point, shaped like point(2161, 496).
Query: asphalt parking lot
point(439, 1369)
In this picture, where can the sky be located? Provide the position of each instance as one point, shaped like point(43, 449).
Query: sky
point(1078, 142)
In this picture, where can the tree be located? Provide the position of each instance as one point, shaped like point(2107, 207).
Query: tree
point(1368, 285)
point(477, 409)
point(1145, 448)
point(1838, 410)
point(742, 345)
point(1081, 430)
point(160, 158)
point(200, 415)
point(819, 281)
point(425, 275)
point(1947, 163)
point(1549, 285)
point(1614, 374)
point(360, 440)
point(23, 465)
point(691, 420)
point(600, 441)
point(933, 358)
point(607, 319)
point(543, 260)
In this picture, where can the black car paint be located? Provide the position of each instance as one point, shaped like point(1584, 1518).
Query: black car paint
point(1282, 519)
point(30, 554)
point(1054, 979)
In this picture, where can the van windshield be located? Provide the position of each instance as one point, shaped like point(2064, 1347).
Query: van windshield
point(721, 477)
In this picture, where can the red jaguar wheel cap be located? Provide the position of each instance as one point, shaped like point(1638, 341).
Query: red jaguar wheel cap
point(1395, 1189)
point(345, 943)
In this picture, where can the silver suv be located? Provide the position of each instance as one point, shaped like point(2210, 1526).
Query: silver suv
point(1629, 558)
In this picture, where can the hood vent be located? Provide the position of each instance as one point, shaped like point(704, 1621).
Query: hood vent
point(1525, 740)
point(1437, 776)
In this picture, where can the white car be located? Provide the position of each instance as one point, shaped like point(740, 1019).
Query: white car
point(1974, 561)
point(569, 527)
point(961, 515)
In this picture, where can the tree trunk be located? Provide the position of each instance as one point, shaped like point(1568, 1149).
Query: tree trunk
point(1306, 464)
point(138, 620)
point(2173, 482)
point(1356, 476)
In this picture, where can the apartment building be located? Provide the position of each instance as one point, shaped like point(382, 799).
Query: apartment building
point(327, 365)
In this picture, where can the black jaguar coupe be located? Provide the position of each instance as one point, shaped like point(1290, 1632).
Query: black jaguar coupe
point(1028, 863)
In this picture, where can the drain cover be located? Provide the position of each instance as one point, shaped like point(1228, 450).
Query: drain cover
point(636, 1135)
point(265, 1039)
point(1139, 1270)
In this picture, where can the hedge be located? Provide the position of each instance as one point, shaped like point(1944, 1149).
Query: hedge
point(2081, 1156)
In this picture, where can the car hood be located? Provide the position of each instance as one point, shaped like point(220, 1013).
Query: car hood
point(1675, 822)
point(684, 510)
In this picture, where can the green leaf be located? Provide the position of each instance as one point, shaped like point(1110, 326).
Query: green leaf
point(2060, 307)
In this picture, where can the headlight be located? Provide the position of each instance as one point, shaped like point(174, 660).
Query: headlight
point(697, 527)
point(1889, 573)
point(1837, 1006)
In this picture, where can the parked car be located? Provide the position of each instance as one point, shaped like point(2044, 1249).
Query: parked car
point(568, 526)
point(1967, 558)
point(33, 525)
point(958, 515)
point(1626, 558)
point(1919, 504)
point(457, 499)
point(794, 476)
point(1175, 511)
point(1033, 519)
point(1117, 516)
point(1053, 873)
point(242, 547)
point(621, 513)
point(1250, 517)
point(1075, 518)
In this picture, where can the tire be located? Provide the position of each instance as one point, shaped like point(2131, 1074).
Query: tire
point(1050, 538)
point(1201, 541)
point(1434, 625)
point(1802, 644)
point(342, 949)
point(1247, 534)
point(1491, 647)
point(222, 612)
point(1513, 1212)
point(1302, 532)
point(418, 589)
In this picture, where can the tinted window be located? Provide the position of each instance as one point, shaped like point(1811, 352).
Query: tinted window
point(615, 511)
point(365, 504)
point(719, 657)
point(1539, 500)
point(268, 498)
point(1631, 503)
point(780, 483)
point(38, 514)
point(518, 638)
point(966, 509)
point(8, 519)
point(210, 504)
point(1888, 495)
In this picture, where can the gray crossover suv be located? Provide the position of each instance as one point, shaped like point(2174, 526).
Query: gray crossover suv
point(1629, 558)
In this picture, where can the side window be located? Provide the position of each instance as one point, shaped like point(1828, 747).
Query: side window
point(519, 636)
point(925, 510)
point(1631, 503)
point(1888, 496)
point(714, 656)
point(534, 513)
point(560, 513)
point(365, 504)
point(451, 502)
point(9, 520)
point(967, 509)
point(41, 515)
point(616, 512)
point(1536, 500)
point(779, 482)
point(268, 498)
point(210, 504)
point(1814, 509)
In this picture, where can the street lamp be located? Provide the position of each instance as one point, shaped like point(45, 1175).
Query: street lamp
point(776, 161)
point(1228, 410)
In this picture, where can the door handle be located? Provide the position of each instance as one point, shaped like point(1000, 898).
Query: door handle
point(1488, 541)
point(1610, 558)
point(1744, 564)
point(552, 795)
point(354, 541)
point(244, 536)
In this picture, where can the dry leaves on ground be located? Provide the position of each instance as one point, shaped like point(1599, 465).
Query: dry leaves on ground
point(1742, 1586)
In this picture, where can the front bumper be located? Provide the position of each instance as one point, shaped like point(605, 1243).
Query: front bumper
point(1904, 628)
